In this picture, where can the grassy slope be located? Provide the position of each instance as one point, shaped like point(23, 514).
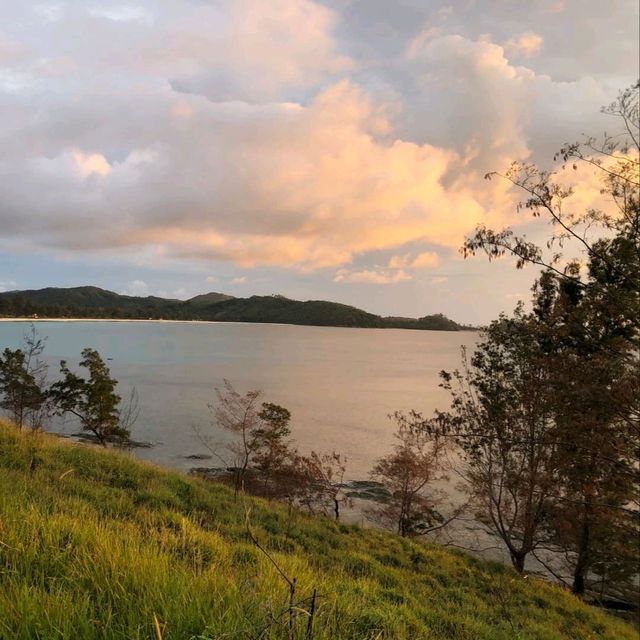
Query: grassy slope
point(96, 552)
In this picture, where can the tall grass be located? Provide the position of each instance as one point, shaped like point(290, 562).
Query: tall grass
point(96, 545)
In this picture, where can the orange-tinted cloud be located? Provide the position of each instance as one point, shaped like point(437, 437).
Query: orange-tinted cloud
point(371, 276)
point(424, 260)
point(525, 45)
point(254, 133)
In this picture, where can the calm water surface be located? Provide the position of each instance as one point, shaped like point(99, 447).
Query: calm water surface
point(339, 384)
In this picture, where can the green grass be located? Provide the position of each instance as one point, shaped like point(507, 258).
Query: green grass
point(95, 545)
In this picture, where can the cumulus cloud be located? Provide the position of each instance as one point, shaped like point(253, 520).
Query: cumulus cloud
point(272, 133)
point(285, 185)
point(245, 49)
point(490, 99)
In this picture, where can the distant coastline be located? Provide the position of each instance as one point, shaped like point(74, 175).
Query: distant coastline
point(45, 319)
point(89, 303)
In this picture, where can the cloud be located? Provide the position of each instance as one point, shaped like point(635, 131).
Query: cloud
point(286, 133)
point(488, 98)
point(525, 45)
point(371, 276)
point(122, 13)
point(49, 11)
point(181, 293)
point(423, 260)
point(238, 280)
point(11, 50)
point(8, 285)
point(137, 288)
point(87, 164)
point(284, 185)
point(246, 49)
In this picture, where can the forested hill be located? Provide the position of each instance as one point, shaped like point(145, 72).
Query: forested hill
point(93, 302)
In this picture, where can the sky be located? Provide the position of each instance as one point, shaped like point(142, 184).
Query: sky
point(318, 149)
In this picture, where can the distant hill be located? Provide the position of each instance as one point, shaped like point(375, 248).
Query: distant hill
point(436, 322)
point(85, 302)
point(208, 298)
point(93, 302)
point(284, 310)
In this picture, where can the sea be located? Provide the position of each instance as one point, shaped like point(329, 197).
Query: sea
point(340, 384)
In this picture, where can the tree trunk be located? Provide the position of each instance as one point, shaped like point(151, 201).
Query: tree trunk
point(518, 560)
point(582, 562)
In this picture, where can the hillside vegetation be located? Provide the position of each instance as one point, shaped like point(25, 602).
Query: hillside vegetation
point(93, 302)
point(96, 545)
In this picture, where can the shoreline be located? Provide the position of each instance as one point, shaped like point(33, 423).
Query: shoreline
point(277, 324)
point(114, 320)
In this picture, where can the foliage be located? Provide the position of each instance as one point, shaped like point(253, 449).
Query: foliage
point(409, 473)
point(615, 159)
point(98, 546)
point(596, 376)
point(435, 322)
point(501, 417)
point(265, 462)
point(586, 327)
point(270, 448)
point(23, 384)
point(93, 400)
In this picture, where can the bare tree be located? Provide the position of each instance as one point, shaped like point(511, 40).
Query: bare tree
point(322, 482)
point(238, 414)
point(409, 473)
point(128, 414)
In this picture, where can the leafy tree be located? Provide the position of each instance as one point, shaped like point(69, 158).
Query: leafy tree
point(23, 385)
point(269, 446)
point(415, 463)
point(587, 308)
point(501, 417)
point(93, 400)
point(596, 429)
point(546, 418)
